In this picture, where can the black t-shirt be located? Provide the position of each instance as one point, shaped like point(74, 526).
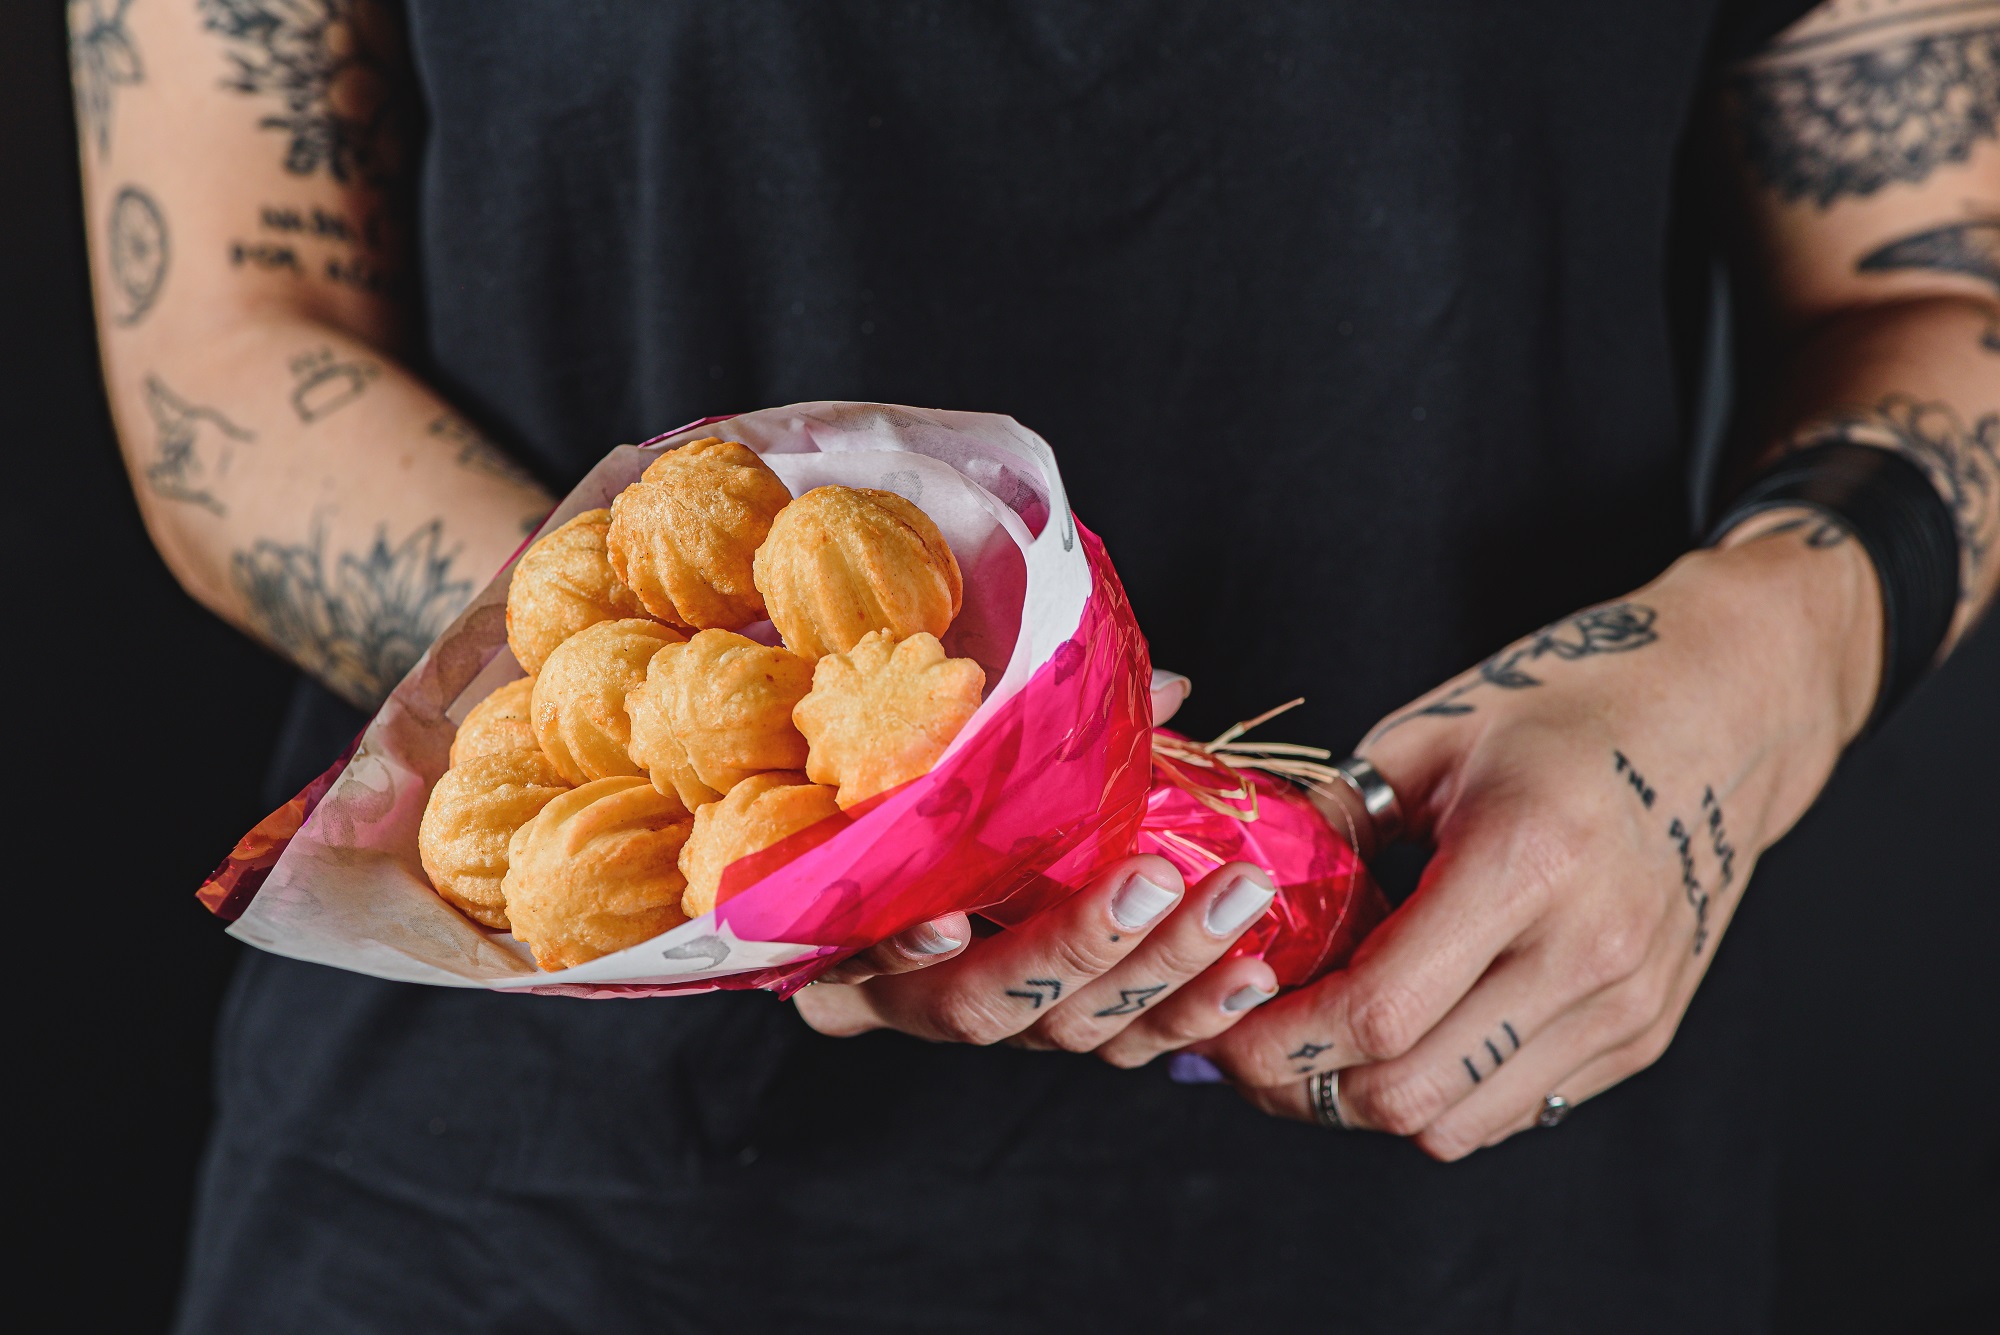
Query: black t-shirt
point(1349, 324)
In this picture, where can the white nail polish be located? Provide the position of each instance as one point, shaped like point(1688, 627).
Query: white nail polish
point(926, 939)
point(1139, 901)
point(1243, 998)
point(1240, 902)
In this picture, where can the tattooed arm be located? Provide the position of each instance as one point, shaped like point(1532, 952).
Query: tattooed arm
point(1599, 792)
point(1867, 143)
point(243, 185)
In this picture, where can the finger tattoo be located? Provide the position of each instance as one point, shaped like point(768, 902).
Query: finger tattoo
point(1495, 1049)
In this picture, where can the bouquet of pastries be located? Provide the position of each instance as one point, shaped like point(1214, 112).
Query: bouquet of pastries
point(759, 694)
point(597, 802)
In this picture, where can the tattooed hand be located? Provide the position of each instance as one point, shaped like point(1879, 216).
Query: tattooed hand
point(1125, 968)
point(1596, 821)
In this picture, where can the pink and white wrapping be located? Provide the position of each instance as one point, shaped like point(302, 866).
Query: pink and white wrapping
point(1045, 783)
point(1051, 779)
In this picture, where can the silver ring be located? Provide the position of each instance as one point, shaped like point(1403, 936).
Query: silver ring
point(1377, 797)
point(1323, 1093)
point(1554, 1108)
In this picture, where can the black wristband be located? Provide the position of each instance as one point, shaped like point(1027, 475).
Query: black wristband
point(1892, 509)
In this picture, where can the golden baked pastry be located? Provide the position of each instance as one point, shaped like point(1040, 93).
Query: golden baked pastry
point(884, 711)
point(474, 809)
point(728, 701)
point(654, 748)
point(757, 813)
point(683, 536)
point(500, 722)
point(562, 584)
point(842, 561)
point(598, 870)
point(578, 705)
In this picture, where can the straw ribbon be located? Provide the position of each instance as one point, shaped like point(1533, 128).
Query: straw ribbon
point(1212, 772)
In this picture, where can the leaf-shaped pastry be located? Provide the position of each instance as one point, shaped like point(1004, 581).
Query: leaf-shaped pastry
point(883, 712)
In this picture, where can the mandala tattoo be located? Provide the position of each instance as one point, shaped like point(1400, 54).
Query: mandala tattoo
point(1613, 629)
point(102, 59)
point(360, 624)
point(329, 63)
point(1968, 248)
point(138, 252)
point(195, 447)
point(1962, 462)
point(1852, 123)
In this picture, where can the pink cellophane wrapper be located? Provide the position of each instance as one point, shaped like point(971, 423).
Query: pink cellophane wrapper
point(1051, 780)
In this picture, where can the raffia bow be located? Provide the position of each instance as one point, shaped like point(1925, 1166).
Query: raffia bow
point(1212, 772)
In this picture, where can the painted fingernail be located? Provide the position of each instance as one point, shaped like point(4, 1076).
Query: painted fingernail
point(1191, 1068)
point(1243, 998)
point(926, 939)
point(1139, 901)
point(1240, 902)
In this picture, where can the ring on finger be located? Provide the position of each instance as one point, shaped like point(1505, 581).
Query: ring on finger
point(1323, 1095)
point(1378, 799)
point(1554, 1108)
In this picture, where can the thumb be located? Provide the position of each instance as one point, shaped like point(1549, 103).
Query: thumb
point(1170, 691)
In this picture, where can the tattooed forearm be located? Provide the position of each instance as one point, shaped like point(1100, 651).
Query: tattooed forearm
point(1494, 1050)
point(195, 446)
point(102, 59)
point(360, 621)
point(329, 66)
point(138, 252)
point(1962, 462)
point(1614, 629)
point(324, 383)
point(1968, 248)
point(1845, 113)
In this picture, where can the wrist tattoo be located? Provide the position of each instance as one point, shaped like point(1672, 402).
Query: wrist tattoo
point(1613, 629)
point(1961, 461)
point(1818, 532)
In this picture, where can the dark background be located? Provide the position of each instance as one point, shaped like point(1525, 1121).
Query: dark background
point(144, 725)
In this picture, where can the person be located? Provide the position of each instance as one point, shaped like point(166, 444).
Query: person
point(1360, 333)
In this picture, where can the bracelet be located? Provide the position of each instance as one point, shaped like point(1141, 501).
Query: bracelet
point(1890, 506)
